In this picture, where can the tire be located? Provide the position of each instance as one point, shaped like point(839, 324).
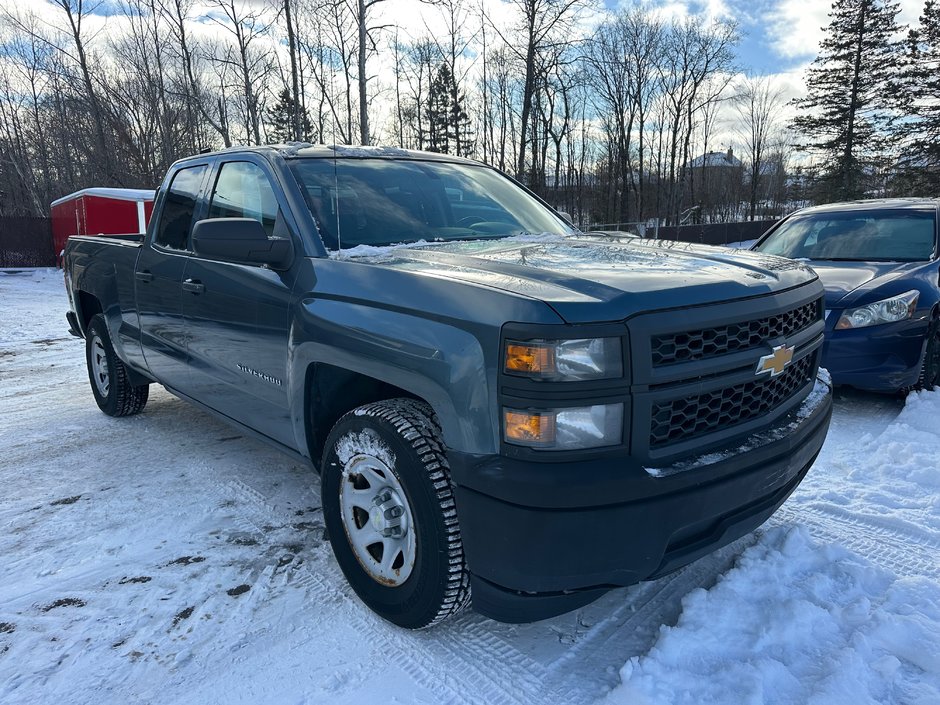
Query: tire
point(930, 370)
point(108, 375)
point(389, 511)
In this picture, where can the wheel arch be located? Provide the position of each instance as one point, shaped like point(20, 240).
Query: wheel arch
point(332, 391)
point(382, 354)
point(87, 305)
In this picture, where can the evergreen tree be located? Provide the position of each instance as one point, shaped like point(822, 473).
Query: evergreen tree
point(919, 126)
point(281, 120)
point(844, 118)
point(448, 123)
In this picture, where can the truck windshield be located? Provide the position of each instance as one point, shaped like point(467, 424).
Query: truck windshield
point(384, 202)
point(896, 235)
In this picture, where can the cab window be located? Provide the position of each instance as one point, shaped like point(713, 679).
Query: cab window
point(242, 190)
point(179, 207)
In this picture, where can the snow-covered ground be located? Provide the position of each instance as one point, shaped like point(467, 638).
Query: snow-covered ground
point(166, 558)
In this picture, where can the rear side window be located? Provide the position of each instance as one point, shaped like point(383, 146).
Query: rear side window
point(179, 206)
point(244, 191)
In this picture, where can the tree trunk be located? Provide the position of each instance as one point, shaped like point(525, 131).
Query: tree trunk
point(363, 104)
point(296, 123)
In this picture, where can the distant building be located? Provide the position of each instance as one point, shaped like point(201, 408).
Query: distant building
point(716, 160)
point(715, 186)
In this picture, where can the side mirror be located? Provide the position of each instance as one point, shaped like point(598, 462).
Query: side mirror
point(566, 217)
point(241, 240)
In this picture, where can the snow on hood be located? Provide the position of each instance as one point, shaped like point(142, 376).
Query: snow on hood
point(574, 273)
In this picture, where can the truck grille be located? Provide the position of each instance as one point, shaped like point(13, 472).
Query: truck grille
point(672, 348)
point(722, 408)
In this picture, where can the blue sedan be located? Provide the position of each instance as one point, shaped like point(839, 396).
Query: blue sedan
point(880, 265)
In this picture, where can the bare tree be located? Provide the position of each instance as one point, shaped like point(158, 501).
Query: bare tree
point(362, 11)
point(544, 26)
point(758, 104)
point(246, 24)
point(177, 13)
point(325, 29)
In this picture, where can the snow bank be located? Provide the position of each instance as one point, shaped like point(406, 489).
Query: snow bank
point(894, 478)
point(795, 622)
point(799, 621)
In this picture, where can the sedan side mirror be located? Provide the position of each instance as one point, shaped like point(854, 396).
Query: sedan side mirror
point(241, 240)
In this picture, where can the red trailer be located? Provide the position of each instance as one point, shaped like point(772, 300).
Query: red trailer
point(100, 211)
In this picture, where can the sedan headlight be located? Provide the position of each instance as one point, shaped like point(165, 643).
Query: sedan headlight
point(564, 360)
point(897, 308)
point(565, 429)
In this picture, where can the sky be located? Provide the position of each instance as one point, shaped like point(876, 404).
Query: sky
point(778, 38)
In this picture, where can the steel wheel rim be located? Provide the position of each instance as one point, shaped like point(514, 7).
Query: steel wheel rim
point(99, 366)
point(378, 520)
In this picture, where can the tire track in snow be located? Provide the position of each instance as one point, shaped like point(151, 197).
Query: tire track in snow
point(889, 547)
point(477, 664)
point(634, 626)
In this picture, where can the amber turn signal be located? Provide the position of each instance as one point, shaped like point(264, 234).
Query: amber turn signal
point(530, 358)
point(531, 429)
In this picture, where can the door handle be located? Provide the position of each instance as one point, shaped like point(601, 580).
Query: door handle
point(195, 287)
point(145, 277)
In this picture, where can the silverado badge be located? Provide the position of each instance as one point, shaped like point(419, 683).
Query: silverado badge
point(776, 362)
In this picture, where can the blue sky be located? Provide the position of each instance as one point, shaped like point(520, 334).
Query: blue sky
point(777, 36)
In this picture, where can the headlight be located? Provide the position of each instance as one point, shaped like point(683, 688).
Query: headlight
point(565, 429)
point(897, 308)
point(564, 360)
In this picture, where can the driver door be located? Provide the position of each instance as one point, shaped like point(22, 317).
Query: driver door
point(237, 316)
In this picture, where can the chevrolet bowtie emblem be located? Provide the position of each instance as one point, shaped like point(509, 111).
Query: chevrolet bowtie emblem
point(776, 362)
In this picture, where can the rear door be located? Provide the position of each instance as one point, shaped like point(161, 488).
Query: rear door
point(238, 315)
point(159, 276)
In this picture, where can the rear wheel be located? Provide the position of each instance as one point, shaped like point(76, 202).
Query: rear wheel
point(930, 371)
point(109, 377)
point(389, 511)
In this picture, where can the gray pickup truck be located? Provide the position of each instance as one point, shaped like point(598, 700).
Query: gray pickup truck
point(498, 404)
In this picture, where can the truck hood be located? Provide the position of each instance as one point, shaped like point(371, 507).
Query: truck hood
point(587, 279)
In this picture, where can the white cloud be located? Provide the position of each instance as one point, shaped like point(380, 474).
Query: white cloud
point(683, 9)
point(796, 27)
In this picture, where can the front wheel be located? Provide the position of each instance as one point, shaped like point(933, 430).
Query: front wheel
point(390, 514)
point(930, 371)
point(109, 377)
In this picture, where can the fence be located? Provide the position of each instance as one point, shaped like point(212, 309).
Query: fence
point(26, 242)
point(716, 233)
point(710, 234)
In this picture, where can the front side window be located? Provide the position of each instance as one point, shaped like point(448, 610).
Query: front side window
point(383, 202)
point(179, 207)
point(900, 235)
point(243, 190)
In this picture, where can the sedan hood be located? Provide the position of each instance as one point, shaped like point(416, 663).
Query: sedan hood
point(586, 279)
point(845, 281)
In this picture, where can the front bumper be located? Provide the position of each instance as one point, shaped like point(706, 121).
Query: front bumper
point(884, 358)
point(545, 538)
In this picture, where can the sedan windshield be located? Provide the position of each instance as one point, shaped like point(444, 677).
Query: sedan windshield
point(384, 202)
point(868, 235)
